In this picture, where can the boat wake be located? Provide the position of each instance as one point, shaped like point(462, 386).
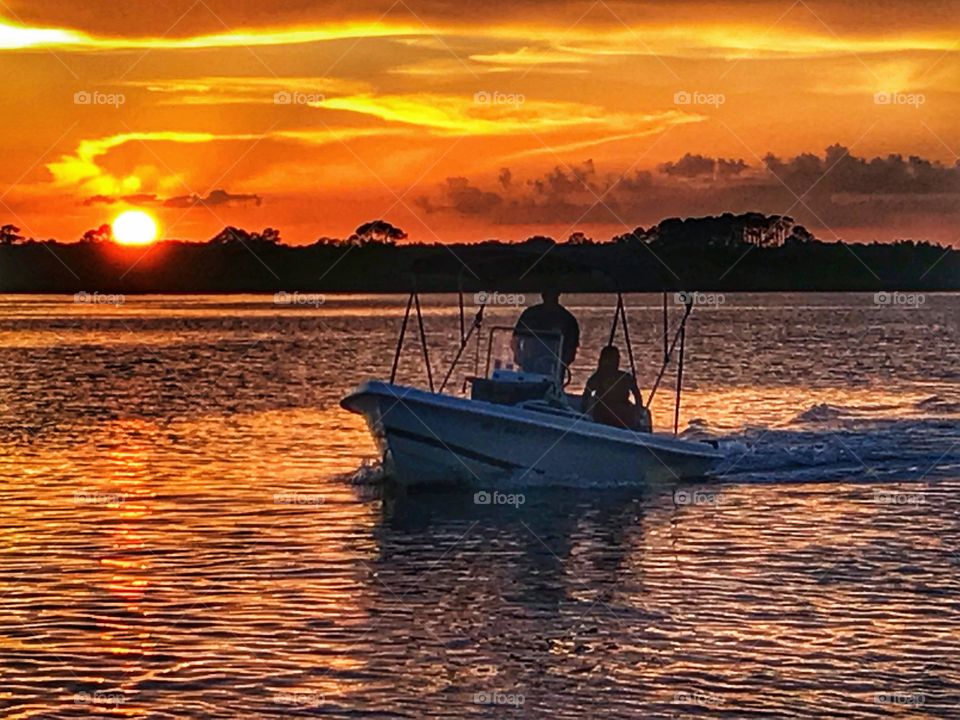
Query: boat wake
point(370, 472)
point(829, 442)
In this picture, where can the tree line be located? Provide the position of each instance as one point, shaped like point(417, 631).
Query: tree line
point(748, 252)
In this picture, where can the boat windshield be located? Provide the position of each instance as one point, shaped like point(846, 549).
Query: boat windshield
point(524, 352)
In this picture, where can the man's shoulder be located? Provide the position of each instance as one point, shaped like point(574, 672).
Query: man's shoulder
point(530, 314)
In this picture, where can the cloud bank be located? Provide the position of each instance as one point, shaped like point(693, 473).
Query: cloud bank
point(833, 190)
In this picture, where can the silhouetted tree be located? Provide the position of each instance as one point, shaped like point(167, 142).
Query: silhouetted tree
point(229, 235)
point(579, 238)
point(377, 232)
point(102, 234)
point(539, 242)
point(269, 236)
point(799, 234)
point(637, 235)
point(10, 235)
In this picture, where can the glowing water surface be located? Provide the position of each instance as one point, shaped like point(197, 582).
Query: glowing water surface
point(181, 536)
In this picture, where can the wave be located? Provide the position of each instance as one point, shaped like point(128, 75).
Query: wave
point(936, 404)
point(822, 412)
point(871, 450)
point(370, 472)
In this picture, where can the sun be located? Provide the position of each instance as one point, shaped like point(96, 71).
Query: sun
point(134, 227)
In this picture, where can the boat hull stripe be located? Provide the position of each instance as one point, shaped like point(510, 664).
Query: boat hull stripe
point(465, 452)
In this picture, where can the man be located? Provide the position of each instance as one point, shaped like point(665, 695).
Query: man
point(533, 352)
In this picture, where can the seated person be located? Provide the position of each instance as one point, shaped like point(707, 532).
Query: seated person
point(606, 396)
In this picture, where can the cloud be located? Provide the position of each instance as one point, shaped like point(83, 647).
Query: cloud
point(213, 199)
point(488, 112)
point(467, 199)
point(83, 168)
point(836, 189)
point(136, 199)
point(699, 166)
point(248, 90)
point(528, 35)
point(15, 36)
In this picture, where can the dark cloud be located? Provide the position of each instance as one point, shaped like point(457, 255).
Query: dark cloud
point(886, 194)
point(139, 199)
point(213, 199)
point(727, 168)
point(464, 198)
point(689, 166)
point(694, 166)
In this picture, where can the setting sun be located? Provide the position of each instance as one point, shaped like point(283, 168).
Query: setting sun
point(134, 227)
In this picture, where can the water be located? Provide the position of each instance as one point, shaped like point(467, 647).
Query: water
point(185, 532)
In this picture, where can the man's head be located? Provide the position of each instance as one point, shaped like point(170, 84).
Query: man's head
point(551, 296)
point(610, 358)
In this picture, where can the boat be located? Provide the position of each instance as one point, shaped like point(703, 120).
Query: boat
point(516, 427)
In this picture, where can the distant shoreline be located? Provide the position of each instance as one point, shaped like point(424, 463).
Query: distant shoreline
point(704, 254)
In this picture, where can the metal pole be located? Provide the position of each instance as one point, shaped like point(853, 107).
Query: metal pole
point(626, 337)
point(423, 341)
point(476, 358)
point(676, 409)
point(616, 317)
point(403, 331)
point(666, 360)
point(666, 353)
point(463, 344)
point(460, 297)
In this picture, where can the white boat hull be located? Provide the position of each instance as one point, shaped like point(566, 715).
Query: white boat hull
point(430, 439)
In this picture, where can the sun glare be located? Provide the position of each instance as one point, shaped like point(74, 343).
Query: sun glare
point(134, 227)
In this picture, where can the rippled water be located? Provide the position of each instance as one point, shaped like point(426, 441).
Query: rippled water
point(185, 534)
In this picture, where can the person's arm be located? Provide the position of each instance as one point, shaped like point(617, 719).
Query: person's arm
point(586, 400)
point(573, 328)
point(635, 391)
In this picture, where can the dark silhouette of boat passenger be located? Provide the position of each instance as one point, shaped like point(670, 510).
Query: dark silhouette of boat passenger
point(536, 332)
point(606, 396)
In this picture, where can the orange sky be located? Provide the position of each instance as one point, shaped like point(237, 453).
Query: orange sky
point(465, 121)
